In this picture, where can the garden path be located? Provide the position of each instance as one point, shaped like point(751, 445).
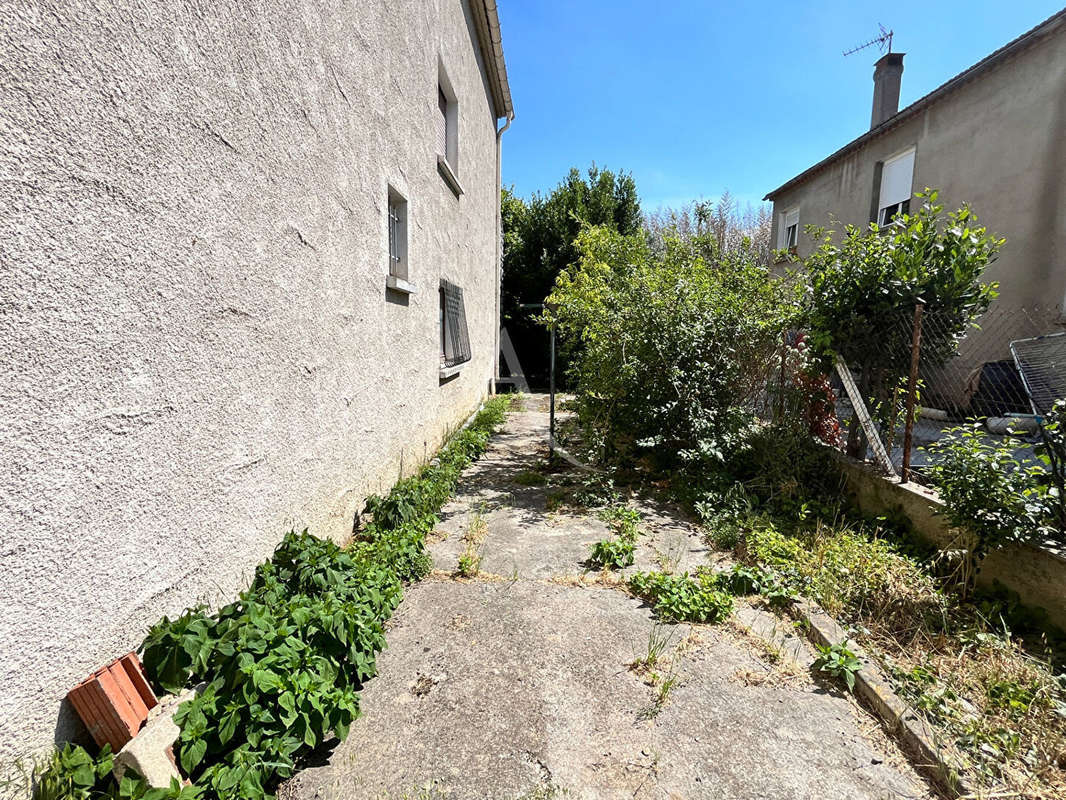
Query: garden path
point(517, 684)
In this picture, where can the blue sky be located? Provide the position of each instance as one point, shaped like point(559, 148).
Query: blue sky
point(697, 97)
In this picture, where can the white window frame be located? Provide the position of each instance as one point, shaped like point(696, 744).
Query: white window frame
point(897, 172)
point(788, 229)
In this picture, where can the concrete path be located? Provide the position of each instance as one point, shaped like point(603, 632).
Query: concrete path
point(517, 683)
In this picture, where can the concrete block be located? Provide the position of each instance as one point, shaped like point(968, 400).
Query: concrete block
point(150, 753)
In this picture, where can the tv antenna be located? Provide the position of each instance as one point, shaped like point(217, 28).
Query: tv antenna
point(883, 42)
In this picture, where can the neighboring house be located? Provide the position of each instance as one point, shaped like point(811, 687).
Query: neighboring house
point(993, 136)
point(250, 275)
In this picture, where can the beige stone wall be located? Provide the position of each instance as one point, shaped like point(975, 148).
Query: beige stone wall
point(996, 143)
point(198, 350)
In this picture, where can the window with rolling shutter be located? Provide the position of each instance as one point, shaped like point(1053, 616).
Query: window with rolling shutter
point(454, 338)
point(788, 232)
point(442, 122)
point(895, 194)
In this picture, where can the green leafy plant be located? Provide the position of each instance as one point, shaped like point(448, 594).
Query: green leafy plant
point(838, 661)
point(612, 553)
point(70, 773)
point(680, 598)
point(865, 283)
point(469, 565)
point(987, 492)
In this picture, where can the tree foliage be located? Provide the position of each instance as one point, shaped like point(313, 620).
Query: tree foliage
point(670, 351)
point(539, 242)
point(725, 222)
point(864, 287)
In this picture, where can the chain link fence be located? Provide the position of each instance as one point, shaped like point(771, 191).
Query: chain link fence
point(960, 373)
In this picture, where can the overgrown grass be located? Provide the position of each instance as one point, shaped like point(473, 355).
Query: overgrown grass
point(284, 664)
point(1000, 707)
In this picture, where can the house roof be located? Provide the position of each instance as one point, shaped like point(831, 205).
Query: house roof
point(1046, 28)
point(487, 22)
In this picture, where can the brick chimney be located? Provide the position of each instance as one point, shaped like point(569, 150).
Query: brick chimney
point(888, 71)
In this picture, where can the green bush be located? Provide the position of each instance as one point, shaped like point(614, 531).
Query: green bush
point(680, 598)
point(987, 491)
point(864, 286)
point(668, 350)
point(284, 665)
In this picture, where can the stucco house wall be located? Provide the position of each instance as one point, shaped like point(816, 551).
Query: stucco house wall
point(997, 143)
point(198, 349)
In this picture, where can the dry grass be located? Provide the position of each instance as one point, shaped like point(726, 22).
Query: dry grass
point(998, 706)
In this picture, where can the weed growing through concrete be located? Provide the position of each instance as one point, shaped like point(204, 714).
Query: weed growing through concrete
point(476, 531)
point(682, 598)
point(530, 477)
point(618, 552)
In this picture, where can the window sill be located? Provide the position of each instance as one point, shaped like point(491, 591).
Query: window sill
point(447, 373)
point(445, 170)
point(396, 284)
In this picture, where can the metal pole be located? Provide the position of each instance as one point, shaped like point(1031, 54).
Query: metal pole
point(781, 387)
point(912, 390)
point(551, 401)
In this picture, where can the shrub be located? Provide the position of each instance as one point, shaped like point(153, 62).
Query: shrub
point(864, 284)
point(668, 351)
point(986, 491)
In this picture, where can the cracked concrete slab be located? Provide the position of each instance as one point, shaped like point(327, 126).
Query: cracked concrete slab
point(520, 683)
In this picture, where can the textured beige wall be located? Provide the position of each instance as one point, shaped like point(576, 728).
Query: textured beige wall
point(997, 143)
point(198, 352)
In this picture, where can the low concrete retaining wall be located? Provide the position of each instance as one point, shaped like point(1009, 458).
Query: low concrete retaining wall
point(1036, 573)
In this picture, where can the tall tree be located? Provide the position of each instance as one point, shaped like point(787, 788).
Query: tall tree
point(538, 243)
point(728, 224)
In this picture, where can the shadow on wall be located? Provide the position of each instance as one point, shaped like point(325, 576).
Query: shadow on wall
point(1052, 207)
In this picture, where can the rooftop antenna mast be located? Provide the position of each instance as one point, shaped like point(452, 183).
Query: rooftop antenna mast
point(883, 42)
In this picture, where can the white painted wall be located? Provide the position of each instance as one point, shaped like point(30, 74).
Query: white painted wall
point(198, 352)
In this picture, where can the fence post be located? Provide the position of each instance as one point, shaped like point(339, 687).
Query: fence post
point(912, 390)
point(552, 308)
point(781, 383)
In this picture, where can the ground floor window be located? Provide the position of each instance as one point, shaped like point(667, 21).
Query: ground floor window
point(454, 338)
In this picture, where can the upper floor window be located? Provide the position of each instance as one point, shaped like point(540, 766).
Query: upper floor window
point(447, 121)
point(895, 192)
point(788, 232)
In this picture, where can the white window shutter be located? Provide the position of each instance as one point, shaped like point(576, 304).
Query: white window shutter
point(789, 218)
point(442, 123)
point(896, 176)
